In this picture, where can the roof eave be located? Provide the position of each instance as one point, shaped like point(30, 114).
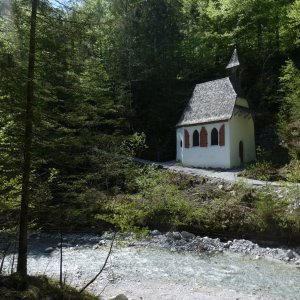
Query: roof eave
point(202, 123)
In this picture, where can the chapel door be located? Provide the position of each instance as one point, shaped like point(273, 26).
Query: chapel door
point(241, 151)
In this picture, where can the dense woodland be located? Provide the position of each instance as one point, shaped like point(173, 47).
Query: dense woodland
point(112, 78)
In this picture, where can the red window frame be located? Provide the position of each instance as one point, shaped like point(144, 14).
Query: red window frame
point(186, 139)
point(203, 137)
point(222, 135)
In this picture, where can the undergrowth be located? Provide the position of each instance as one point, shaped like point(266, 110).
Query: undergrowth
point(37, 288)
point(169, 201)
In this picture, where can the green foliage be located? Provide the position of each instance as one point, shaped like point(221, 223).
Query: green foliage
point(157, 204)
point(10, 188)
point(113, 76)
point(289, 115)
point(293, 171)
point(134, 145)
point(260, 170)
point(277, 214)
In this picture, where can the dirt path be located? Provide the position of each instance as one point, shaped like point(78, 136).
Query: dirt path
point(230, 176)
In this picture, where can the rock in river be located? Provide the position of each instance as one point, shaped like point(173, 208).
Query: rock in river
point(119, 297)
point(187, 235)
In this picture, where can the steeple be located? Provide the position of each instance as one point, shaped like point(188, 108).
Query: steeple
point(232, 67)
point(234, 61)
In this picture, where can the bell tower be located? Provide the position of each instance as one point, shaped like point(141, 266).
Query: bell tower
point(233, 68)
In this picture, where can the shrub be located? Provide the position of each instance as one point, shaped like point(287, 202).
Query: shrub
point(261, 170)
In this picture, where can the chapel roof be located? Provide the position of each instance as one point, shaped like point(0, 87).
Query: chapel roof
point(211, 101)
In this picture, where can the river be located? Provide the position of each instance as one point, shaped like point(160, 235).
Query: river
point(142, 272)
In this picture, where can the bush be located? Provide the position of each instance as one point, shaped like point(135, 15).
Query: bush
point(260, 170)
point(157, 204)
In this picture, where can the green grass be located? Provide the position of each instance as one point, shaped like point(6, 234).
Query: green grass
point(37, 288)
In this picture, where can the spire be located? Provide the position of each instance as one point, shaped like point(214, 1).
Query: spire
point(234, 61)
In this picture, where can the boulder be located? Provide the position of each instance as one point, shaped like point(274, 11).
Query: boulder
point(64, 245)
point(101, 243)
point(227, 245)
point(290, 254)
point(155, 232)
point(49, 250)
point(187, 235)
point(119, 297)
point(169, 235)
point(107, 235)
point(177, 235)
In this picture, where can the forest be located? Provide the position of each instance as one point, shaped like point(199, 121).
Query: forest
point(112, 78)
point(88, 86)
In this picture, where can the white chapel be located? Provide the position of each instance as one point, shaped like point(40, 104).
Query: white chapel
point(216, 129)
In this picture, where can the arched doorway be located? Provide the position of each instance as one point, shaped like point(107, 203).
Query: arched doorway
point(241, 151)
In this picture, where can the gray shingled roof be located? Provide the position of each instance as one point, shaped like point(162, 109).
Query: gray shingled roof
point(211, 101)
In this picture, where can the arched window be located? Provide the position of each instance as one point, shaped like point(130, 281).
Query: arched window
point(186, 139)
point(203, 137)
point(180, 143)
point(196, 138)
point(214, 137)
point(222, 136)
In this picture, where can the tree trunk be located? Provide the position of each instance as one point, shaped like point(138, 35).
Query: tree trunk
point(22, 251)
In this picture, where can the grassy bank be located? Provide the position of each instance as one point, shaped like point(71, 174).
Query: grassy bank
point(172, 201)
point(36, 288)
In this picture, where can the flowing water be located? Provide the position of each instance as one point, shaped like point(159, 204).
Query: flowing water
point(263, 278)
